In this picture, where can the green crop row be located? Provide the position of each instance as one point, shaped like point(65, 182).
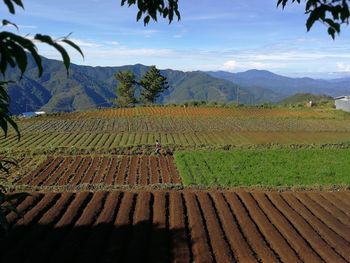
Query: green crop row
point(184, 124)
point(109, 141)
point(265, 167)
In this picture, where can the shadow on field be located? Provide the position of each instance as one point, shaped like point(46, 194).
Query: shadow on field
point(142, 242)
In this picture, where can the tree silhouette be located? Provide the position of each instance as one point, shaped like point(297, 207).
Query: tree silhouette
point(125, 88)
point(153, 83)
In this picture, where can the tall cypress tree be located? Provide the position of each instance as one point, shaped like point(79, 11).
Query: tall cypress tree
point(153, 83)
point(125, 88)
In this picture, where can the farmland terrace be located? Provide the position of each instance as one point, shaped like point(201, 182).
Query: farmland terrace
point(230, 185)
point(120, 131)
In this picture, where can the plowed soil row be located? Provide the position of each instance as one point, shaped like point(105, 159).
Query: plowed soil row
point(179, 226)
point(120, 170)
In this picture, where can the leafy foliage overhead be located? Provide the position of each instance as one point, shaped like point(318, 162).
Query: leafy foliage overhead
point(332, 13)
point(151, 9)
point(13, 52)
point(13, 47)
point(5, 119)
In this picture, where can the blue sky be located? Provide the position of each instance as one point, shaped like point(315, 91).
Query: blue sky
point(233, 36)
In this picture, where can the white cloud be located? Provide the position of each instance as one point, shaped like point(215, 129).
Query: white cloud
point(206, 17)
point(114, 43)
point(279, 58)
point(342, 67)
point(229, 65)
point(85, 43)
point(147, 33)
point(27, 26)
point(256, 65)
point(130, 52)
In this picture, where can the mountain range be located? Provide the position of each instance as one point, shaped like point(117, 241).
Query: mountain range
point(286, 86)
point(89, 87)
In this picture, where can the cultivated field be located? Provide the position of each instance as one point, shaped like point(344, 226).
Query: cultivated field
point(112, 131)
point(180, 227)
point(99, 193)
point(266, 167)
point(67, 173)
point(121, 143)
point(157, 111)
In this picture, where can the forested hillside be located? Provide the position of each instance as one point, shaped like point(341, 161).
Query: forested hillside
point(90, 87)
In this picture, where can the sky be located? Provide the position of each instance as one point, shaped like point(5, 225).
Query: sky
point(229, 35)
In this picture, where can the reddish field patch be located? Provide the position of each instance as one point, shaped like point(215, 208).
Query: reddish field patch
point(119, 170)
point(179, 226)
point(194, 111)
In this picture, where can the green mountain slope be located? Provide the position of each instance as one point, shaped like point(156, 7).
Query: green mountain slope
point(91, 87)
point(302, 98)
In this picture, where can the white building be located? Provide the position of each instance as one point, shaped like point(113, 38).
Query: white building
point(343, 103)
point(32, 114)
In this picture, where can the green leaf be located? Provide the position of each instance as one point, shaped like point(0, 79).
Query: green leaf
point(19, 3)
point(146, 20)
point(48, 40)
point(311, 20)
point(9, 39)
point(140, 4)
point(10, 6)
point(139, 14)
point(75, 46)
point(33, 51)
point(3, 123)
point(331, 32)
point(178, 15)
point(6, 22)
point(14, 126)
point(21, 57)
point(152, 9)
point(65, 56)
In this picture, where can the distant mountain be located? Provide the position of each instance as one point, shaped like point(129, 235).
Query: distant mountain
point(285, 86)
point(90, 87)
point(302, 98)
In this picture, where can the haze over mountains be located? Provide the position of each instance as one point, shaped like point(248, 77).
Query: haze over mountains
point(286, 86)
point(91, 87)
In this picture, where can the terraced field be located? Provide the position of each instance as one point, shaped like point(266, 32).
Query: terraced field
point(186, 124)
point(98, 193)
point(121, 143)
point(181, 226)
point(245, 112)
point(112, 131)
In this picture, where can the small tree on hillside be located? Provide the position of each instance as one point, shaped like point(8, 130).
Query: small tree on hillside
point(125, 88)
point(153, 83)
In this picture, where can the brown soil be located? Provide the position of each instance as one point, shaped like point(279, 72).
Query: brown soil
point(176, 226)
point(113, 171)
